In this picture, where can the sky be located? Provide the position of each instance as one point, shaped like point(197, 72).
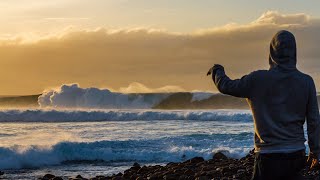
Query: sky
point(146, 45)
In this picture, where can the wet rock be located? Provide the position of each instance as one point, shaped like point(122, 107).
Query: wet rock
point(196, 160)
point(171, 177)
point(119, 174)
point(136, 164)
point(219, 167)
point(183, 177)
point(48, 177)
point(139, 178)
point(142, 170)
point(219, 156)
point(203, 178)
point(118, 178)
point(188, 172)
point(57, 178)
point(78, 177)
point(100, 178)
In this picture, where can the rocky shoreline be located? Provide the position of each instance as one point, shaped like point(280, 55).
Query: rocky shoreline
point(219, 167)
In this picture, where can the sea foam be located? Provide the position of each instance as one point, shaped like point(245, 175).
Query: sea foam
point(84, 115)
point(73, 96)
point(154, 150)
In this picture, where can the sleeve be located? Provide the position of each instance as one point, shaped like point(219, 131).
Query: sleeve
point(313, 120)
point(238, 87)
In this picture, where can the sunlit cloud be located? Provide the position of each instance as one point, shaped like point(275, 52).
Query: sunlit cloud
point(136, 87)
point(154, 57)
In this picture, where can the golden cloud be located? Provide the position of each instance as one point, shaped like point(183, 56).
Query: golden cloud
point(136, 87)
point(156, 58)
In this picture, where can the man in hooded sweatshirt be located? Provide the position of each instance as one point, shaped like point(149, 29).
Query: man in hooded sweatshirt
point(281, 99)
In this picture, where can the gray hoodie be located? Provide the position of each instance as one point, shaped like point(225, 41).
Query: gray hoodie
point(281, 99)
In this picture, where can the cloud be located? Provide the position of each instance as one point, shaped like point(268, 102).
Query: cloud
point(152, 57)
point(273, 17)
point(136, 87)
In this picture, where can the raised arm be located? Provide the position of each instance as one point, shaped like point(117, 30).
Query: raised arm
point(313, 120)
point(238, 87)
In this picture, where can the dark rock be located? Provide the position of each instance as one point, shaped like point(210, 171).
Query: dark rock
point(214, 173)
point(155, 177)
point(183, 177)
point(117, 178)
point(100, 178)
point(178, 171)
point(48, 177)
point(190, 166)
point(1, 173)
point(57, 178)
point(219, 167)
point(219, 156)
point(203, 178)
point(171, 177)
point(136, 165)
point(142, 170)
point(126, 175)
point(139, 178)
point(78, 177)
point(171, 163)
point(188, 172)
point(166, 172)
point(119, 174)
point(134, 176)
point(136, 168)
point(206, 168)
point(241, 171)
point(196, 160)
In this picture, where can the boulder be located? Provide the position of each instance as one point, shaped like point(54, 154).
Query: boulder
point(48, 177)
point(219, 156)
point(196, 160)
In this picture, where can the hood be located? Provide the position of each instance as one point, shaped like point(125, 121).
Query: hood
point(283, 52)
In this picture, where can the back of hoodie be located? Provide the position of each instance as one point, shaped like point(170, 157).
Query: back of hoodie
point(281, 99)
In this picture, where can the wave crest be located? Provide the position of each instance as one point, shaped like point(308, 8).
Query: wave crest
point(72, 96)
point(50, 115)
point(154, 150)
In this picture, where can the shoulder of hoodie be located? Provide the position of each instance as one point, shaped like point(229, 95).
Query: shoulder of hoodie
point(307, 77)
point(258, 74)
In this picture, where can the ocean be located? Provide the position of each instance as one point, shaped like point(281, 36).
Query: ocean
point(90, 131)
point(90, 142)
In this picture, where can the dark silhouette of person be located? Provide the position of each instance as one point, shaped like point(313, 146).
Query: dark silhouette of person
point(281, 99)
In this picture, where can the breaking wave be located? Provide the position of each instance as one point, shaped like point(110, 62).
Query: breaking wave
point(51, 115)
point(169, 149)
point(72, 96)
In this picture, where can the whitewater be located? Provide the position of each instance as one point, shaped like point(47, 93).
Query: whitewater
point(92, 131)
point(37, 141)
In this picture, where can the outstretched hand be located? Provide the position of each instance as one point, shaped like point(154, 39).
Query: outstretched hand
point(214, 69)
point(313, 161)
